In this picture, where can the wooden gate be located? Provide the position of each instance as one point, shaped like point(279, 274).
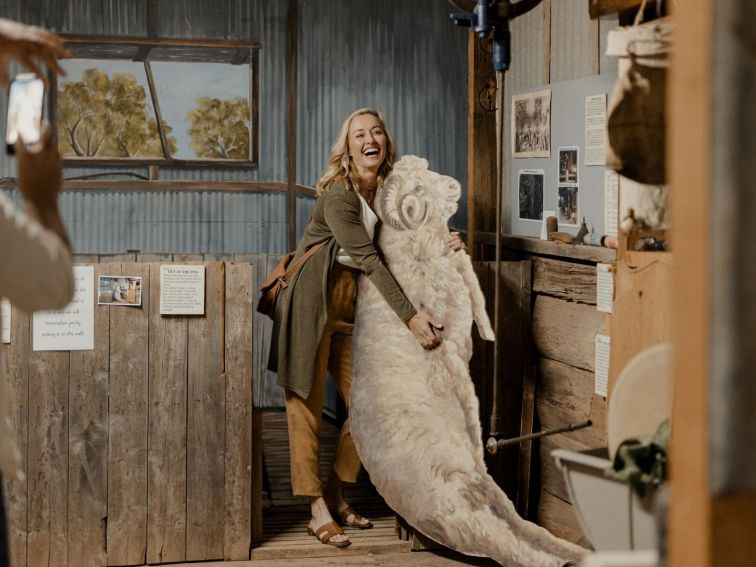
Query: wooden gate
point(142, 449)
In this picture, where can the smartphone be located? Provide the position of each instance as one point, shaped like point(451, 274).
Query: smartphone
point(25, 105)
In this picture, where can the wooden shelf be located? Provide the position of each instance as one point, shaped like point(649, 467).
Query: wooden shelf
point(604, 8)
point(540, 247)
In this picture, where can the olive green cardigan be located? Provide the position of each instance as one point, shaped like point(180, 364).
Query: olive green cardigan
point(301, 310)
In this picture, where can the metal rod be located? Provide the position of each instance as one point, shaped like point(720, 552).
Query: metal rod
point(495, 422)
point(493, 445)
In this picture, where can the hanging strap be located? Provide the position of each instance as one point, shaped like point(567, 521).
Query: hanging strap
point(642, 9)
point(639, 15)
point(303, 258)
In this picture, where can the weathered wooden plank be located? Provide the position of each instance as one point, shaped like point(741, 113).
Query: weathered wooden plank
point(559, 518)
point(205, 425)
point(127, 458)
point(481, 142)
point(238, 458)
point(534, 245)
point(166, 459)
point(15, 369)
point(88, 445)
point(86, 258)
point(148, 257)
point(257, 476)
point(183, 258)
point(117, 258)
point(574, 41)
point(642, 312)
point(565, 395)
point(565, 280)
point(48, 458)
point(513, 336)
point(566, 331)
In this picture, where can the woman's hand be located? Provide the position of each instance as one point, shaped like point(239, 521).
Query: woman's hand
point(31, 46)
point(39, 180)
point(424, 327)
point(455, 242)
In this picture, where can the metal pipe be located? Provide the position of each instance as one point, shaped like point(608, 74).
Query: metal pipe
point(495, 422)
point(492, 445)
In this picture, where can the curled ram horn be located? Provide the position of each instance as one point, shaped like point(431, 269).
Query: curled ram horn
point(449, 202)
point(390, 203)
point(413, 211)
point(385, 202)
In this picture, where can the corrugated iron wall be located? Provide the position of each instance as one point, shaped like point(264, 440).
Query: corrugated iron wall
point(406, 59)
point(406, 56)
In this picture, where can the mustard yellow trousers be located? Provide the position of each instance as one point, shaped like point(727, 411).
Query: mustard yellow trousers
point(304, 416)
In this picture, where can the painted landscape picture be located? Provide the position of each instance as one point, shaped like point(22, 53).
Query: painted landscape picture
point(110, 109)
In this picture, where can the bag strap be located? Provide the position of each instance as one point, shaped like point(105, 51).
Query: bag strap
point(302, 259)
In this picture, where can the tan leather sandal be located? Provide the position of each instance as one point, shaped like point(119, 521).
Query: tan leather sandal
point(325, 532)
point(356, 520)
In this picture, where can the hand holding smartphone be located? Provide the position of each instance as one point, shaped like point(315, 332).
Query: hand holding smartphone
point(25, 109)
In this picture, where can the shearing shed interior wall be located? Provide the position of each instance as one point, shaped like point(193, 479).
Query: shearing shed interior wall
point(557, 42)
point(408, 46)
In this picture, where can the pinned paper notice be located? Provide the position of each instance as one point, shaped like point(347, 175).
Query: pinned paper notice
point(70, 328)
point(182, 290)
point(595, 126)
point(5, 320)
point(603, 347)
point(611, 202)
point(604, 287)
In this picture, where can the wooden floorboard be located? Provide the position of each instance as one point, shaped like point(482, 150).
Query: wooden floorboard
point(401, 559)
point(285, 526)
point(285, 542)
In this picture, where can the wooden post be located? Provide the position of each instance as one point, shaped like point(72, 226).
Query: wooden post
point(690, 174)
point(481, 141)
point(291, 173)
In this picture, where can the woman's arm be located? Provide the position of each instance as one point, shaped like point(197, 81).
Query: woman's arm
point(342, 214)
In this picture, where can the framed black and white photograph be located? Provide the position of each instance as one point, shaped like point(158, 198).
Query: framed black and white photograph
point(531, 124)
point(568, 166)
point(568, 206)
point(530, 187)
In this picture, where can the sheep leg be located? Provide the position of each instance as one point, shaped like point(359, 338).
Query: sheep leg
point(465, 268)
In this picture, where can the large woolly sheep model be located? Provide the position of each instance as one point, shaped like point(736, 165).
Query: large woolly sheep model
point(414, 413)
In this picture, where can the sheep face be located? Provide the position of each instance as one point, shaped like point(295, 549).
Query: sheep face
point(413, 197)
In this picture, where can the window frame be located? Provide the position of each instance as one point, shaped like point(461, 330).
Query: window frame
point(246, 52)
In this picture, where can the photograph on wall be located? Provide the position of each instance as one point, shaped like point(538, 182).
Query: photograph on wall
point(568, 206)
point(120, 290)
point(531, 124)
point(530, 187)
point(568, 166)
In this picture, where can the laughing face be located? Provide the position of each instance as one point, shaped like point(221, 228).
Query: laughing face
point(367, 145)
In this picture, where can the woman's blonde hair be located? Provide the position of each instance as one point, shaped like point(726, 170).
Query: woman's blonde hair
point(341, 169)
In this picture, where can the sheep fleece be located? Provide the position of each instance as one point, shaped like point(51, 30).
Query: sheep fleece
point(414, 413)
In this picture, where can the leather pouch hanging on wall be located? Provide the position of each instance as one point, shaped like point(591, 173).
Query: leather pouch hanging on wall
point(636, 123)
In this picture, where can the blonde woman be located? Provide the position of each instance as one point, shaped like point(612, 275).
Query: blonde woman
point(312, 329)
